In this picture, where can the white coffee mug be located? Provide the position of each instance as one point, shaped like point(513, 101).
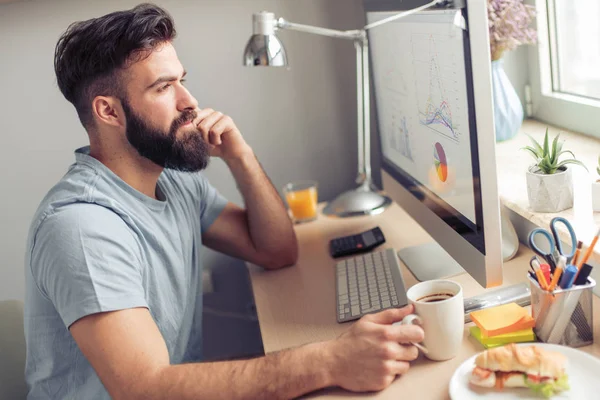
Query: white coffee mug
point(440, 310)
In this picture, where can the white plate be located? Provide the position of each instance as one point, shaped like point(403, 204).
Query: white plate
point(581, 367)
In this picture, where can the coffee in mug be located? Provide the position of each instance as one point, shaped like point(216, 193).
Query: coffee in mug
point(432, 298)
point(439, 309)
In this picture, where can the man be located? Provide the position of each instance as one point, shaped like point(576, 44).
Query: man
point(114, 252)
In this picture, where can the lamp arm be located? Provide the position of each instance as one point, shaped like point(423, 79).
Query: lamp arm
point(352, 34)
point(404, 14)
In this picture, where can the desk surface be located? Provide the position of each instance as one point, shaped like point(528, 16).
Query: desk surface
point(296, 305)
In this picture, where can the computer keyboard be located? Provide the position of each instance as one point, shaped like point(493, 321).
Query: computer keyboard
point(368, 283)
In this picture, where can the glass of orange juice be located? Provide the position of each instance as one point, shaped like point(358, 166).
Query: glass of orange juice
point(301, 198)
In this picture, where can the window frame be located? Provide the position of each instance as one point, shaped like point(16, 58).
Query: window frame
point(572, 112)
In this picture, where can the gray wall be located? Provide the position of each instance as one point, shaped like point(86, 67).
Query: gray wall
point(288, 116)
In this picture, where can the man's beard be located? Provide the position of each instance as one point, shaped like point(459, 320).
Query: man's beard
point(188, 153)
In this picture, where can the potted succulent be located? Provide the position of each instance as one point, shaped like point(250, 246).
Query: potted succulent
point(596, 190)
point(549, 180)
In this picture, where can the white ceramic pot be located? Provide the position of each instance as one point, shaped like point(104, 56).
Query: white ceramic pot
point(550, 193)
point(596, 196)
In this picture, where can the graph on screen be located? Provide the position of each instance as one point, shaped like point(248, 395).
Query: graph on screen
point(400, 137)
point(436, 84)
point(440, 162)
point(421, 95)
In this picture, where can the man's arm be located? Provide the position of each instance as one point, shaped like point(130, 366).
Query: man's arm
point(128, 353)
point(262, 232)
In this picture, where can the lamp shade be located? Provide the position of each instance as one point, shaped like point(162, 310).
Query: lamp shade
point(266, 51)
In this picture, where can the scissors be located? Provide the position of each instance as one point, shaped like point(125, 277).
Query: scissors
point(554, 244)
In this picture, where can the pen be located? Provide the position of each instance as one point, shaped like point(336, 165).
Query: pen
point(574, 261)
point(588, 252)
point(562, 261)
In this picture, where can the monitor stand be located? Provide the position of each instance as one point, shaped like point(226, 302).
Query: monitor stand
point(429, 261)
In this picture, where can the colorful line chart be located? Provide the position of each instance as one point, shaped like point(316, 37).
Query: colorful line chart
point(436, 71)
point(440, 162)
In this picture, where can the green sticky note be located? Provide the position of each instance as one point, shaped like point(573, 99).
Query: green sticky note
point(525, 335)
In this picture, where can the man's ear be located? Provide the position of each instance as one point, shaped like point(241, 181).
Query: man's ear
point(107, 110)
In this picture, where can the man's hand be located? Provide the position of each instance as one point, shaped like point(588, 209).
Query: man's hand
point(370, 355)
point(220, 132)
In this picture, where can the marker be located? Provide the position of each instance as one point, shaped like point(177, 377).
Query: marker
point(545, 268)
point(582, 274)
point(540, 274)
point(568, 277)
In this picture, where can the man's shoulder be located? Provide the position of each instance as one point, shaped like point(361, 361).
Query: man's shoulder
point(74, 199)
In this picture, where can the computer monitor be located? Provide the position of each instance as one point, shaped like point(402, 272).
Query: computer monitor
point(433, 101)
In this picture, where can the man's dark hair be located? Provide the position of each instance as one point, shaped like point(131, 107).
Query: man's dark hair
point(90, 55)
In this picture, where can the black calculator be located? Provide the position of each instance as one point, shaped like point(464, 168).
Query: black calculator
point(354, 244)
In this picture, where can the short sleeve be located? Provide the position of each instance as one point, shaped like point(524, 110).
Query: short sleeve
point(211, 202)
point(86, 260)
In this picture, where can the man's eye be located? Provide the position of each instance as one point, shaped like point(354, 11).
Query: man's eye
point(183, 81)
point(164, 87)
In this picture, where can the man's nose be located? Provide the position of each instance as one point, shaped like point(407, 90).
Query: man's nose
point(186, 100)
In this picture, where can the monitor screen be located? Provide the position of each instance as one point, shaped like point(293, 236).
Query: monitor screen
point(426, 114)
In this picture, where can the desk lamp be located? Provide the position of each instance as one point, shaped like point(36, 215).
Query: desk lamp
point(265, 49)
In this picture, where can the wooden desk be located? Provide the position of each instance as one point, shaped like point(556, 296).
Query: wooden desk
point(296, 305)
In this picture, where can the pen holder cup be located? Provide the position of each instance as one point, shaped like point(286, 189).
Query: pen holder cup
point(564, 316)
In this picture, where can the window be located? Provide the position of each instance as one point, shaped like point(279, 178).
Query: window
point(565, 65)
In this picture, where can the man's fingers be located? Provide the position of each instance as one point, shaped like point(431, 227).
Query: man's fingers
point(205, 112)
point(408, 353)
point(222, 125)
point(206, 124)
point(406, 333)
point(214, 138)
point(399, 367)
point(390, 315)
point(399, 352)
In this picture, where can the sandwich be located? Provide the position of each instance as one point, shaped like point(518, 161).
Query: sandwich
point(521, 366)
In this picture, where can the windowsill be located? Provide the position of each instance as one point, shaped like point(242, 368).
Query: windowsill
point(512, 162)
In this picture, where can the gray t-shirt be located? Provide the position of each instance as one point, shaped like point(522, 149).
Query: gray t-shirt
point(96, 244)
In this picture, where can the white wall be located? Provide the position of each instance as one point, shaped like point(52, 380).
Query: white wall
point(288, 116)
point(516, 65)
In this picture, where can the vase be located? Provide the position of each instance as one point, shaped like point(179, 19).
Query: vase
point(549, 193)
point(508, 110)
